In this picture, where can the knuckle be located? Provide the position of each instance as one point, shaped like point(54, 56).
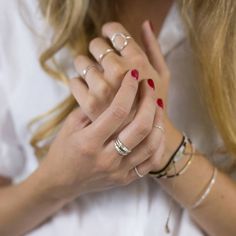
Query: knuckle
point(91, 105)
point(117, 69)
point(143, 129)
point(93, 43)
point(104, 90)
point(119, 112)
point(103, 166)
point(111, 25)
point(140, 61)
point(78, 60)
point(150, 148)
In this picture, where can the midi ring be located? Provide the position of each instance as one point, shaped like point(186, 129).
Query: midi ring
point(125, 39)
point(121, 148)
point(137, 172)
point(86, 70)
point(101, 56)
point(159, 127)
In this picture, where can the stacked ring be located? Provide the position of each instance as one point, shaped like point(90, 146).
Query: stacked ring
point(121, 148)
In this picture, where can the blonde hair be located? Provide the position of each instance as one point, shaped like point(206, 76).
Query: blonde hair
point(212, 31)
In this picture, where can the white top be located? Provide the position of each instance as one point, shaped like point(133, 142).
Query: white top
point(139, 209)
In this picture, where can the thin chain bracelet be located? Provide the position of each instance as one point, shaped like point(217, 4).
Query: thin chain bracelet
point(206, 191)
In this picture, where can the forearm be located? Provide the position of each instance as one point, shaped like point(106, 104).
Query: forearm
point(217, 213)
point(24, 206)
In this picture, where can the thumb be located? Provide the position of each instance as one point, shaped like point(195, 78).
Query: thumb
point(152, 48)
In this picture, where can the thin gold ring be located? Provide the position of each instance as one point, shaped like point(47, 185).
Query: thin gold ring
point(159, 127)
point(137, 172)
point(101, 56)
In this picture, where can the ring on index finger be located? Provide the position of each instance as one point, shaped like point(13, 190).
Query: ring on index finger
point(119, 45)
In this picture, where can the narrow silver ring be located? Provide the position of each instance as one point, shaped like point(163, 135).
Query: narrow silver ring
point(86, 70)
point(102, 56)
point(159, 127)
point(137, 172)
point(121, 148)
point(124, 37)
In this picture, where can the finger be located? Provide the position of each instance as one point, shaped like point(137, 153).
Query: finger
point(98, 47)
point(141, 126)
point(79, 90)
point(132, 48)
point(86, 101)
point(110, 120)
point(153, 49)
point(148, 147)
point(94, 77)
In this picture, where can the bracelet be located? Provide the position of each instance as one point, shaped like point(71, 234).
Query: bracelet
point(166, 168)
point(207, 190)
point(186, 166)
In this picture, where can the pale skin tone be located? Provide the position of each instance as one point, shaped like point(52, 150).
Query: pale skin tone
point(24, 206)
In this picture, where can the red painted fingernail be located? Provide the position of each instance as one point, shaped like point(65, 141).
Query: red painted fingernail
point(160, 103)
point(151, 26)
point(135, 74)
point(151, 83)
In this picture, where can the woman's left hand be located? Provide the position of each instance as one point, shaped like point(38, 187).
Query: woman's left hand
point(101, 79)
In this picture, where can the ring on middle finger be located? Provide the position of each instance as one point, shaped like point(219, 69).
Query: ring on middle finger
point(124, 39)
point(102, 56)
point(121, 148)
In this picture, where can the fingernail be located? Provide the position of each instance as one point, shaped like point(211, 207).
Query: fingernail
point(151, 83)
point(160, 103)
point(151, 26)
point(135, 74)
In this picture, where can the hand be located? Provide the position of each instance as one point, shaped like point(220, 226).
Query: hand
point(102, 81)
point(82, 159)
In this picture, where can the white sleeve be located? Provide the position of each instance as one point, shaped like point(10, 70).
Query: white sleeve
point(11, 155)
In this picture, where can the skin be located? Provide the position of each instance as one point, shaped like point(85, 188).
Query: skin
point(67, 172)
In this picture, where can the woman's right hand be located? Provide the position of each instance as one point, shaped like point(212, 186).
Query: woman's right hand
point(83, 158)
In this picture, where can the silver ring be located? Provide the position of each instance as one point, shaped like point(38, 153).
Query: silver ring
point(159, 127)
point(124, 37)
point(121, 148)
point(86, 70)
point(101, 56)
point(137, 172)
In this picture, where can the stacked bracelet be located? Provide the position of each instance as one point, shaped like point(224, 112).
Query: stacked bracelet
point(177, 156)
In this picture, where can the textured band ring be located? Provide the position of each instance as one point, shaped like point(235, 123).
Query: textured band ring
point(125, 39)
point(86, 70)
point(101, 56)
point(159, 127)
point(137, 172)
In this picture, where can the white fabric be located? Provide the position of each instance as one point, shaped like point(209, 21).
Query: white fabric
point(139, 209)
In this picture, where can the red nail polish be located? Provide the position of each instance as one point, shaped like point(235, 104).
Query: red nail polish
point(160, 103)
point(151, 26)
point(151, 83)
point(135, 74)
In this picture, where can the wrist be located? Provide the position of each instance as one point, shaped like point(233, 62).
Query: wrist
point(173, 138)
point(41, 189)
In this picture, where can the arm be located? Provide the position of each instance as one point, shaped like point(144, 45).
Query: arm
point(217, 213)
point(24, 206)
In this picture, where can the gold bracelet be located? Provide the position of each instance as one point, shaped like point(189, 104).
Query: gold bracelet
point(206, 191)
